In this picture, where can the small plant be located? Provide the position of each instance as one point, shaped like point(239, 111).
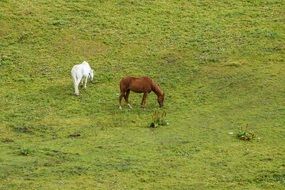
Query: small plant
point(245, 134)
point(158, 119)
point(25, 151)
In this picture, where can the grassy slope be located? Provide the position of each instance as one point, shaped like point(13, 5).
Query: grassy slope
point(220, 64)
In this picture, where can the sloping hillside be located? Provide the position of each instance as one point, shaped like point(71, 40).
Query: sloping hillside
point(220, 64)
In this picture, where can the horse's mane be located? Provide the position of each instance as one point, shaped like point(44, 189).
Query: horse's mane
point(157, 90)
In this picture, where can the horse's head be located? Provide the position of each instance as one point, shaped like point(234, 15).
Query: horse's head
point(91, 74)
point(160, 100)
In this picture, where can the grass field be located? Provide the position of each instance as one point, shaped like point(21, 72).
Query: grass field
point(220, 64)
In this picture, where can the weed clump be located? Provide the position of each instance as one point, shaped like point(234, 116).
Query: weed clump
point(25, 151)
point(158, 119)
point(245, 134)
point(7, 140)
point(23, 129)
point(74, 135)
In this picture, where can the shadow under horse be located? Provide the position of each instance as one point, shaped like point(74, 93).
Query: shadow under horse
point(143, 85)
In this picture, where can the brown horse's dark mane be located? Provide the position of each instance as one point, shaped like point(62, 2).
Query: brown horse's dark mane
point(156, 89)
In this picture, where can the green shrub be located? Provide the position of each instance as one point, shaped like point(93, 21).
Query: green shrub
point(25, 151)
point(245, 134)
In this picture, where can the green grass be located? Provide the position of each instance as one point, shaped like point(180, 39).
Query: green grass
point(221, 65)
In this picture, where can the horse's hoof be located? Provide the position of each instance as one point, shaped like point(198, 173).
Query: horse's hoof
point(120, 107)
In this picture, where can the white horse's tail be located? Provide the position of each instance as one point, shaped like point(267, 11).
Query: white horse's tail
point(75, 80)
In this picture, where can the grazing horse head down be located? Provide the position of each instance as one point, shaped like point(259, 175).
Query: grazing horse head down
point(91, 75)
point(160, 100)
point(159, 93)
point(143, 85)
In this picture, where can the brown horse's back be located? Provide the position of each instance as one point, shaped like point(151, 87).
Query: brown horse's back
point(139, 85)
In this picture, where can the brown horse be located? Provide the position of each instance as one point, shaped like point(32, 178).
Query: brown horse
point(139, 85)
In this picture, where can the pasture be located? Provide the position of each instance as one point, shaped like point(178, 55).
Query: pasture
point(220, 64)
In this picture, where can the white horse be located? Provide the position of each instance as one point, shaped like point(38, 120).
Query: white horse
point(81, 73)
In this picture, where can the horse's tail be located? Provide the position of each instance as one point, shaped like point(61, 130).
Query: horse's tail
point(74, 80)
point(74, 73)
point(121, 86)
point(124, 84)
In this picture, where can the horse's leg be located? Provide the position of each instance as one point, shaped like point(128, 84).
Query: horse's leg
point(120, 99)
point(86, 78)
point(144, 99)
point(81, 81)
point(127, 98)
